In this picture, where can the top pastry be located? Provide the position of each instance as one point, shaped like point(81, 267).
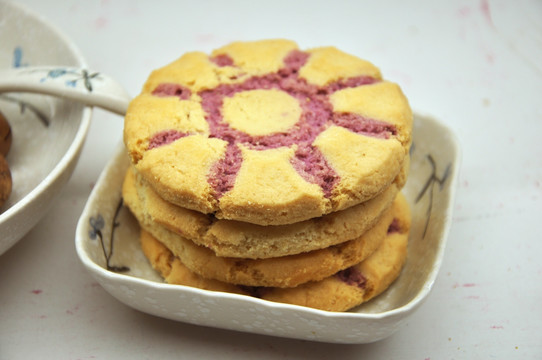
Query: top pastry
point(265, 133)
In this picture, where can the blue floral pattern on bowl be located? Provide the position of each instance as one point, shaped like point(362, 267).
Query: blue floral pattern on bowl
point(24, 105)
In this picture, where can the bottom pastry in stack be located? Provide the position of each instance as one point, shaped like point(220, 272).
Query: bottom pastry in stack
point(337, 277)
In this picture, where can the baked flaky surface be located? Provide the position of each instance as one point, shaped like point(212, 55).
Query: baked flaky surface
point(341, 291)
point(282, 271)
point(264, 133)
point(230, 238)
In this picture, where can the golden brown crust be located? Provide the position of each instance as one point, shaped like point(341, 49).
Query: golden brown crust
point(267, 188)
point(244, 240)
point(284, 271)
point(334, 293)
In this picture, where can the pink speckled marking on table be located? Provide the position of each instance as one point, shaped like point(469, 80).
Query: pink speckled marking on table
point(100, 23)
point(73, 310)
point(466, 285)
point(206, 38)
point(317, 115)
point(486, 11)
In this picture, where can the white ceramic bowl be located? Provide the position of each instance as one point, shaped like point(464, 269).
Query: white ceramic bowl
point(48, 133)
point(125, 273)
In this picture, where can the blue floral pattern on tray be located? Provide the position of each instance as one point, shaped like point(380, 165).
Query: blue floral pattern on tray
point(429, 185)
point(97, 224)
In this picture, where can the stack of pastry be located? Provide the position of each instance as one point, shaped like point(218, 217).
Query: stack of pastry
point(272, 172)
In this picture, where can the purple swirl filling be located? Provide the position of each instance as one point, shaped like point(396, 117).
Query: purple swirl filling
point(164, 138)
point(226, 170)
point(167, 89)
point(394, 227)
point(222, 60)
point(353, 277)
point(317, 114)
point(360, 125)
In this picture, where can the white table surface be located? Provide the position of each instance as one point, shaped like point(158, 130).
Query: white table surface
point(475, 65)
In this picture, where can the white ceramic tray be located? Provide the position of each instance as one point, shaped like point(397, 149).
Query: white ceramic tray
point(107, 242)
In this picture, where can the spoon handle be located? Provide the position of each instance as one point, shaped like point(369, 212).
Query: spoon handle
point(90, 88)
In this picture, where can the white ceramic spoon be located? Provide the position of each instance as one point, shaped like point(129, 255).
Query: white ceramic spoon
point(87, 87)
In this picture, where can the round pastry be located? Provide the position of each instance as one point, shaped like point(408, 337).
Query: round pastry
point(284, 271)
point(5, 180)
point(339, 292)
point(265, 133)
point(5, 135)
point(230, 238)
